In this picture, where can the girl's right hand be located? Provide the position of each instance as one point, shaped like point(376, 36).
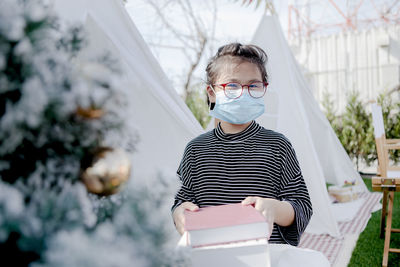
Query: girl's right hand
point(179, 216)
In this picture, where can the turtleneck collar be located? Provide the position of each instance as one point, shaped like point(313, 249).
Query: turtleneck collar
point(251, 130)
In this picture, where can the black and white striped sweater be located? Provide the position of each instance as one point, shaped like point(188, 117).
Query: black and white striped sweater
point(219, 168)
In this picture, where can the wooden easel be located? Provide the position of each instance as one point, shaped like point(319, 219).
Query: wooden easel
point(388, 182)
point(388, 186)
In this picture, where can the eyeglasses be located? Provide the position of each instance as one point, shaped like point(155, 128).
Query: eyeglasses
point(235, 90)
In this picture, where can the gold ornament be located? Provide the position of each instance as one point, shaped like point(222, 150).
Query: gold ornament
point(109, 170)
point(90, 113)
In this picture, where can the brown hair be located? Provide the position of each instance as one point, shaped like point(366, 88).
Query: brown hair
point(249, 53)
point(232, 52)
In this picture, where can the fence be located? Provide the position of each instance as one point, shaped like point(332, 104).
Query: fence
point(366, 61)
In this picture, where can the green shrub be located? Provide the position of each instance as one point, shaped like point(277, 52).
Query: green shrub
point(196, 100)
point(391, 120)
point(355, 130)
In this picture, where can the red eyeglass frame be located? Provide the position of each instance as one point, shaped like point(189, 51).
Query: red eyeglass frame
point(242, 85)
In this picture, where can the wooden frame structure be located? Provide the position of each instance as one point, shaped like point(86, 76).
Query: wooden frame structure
point(388, 182)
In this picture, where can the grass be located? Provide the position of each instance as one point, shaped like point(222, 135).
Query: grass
point(369, 247)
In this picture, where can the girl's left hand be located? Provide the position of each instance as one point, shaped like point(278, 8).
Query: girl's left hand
point(266, 206)
point(275, 211)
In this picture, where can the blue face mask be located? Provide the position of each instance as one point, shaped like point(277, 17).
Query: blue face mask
point(239, 110)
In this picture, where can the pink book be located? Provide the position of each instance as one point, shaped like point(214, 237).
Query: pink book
point(224, 224)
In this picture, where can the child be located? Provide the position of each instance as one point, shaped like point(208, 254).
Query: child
point(240, 161)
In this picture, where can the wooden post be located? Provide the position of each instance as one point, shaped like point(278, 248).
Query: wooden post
point(388, 230)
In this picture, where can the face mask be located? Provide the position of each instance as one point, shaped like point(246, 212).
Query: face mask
point(239, 110)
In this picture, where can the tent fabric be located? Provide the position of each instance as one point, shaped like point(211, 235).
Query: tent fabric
point(297, 115)
point(162, 120)
point(283, 255)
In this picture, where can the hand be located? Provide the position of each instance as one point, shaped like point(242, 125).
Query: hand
point(279, 212)
point(266, 206)
point(179, 216)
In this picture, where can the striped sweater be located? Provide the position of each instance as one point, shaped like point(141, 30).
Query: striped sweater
point(219, 168)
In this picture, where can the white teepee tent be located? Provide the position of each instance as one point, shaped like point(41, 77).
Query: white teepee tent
point(296, 114)
point(161, 118)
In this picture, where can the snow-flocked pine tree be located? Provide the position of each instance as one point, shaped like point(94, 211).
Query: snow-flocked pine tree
point(47, 217)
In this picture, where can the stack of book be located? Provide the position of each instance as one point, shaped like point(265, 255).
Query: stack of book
point(227, 235)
